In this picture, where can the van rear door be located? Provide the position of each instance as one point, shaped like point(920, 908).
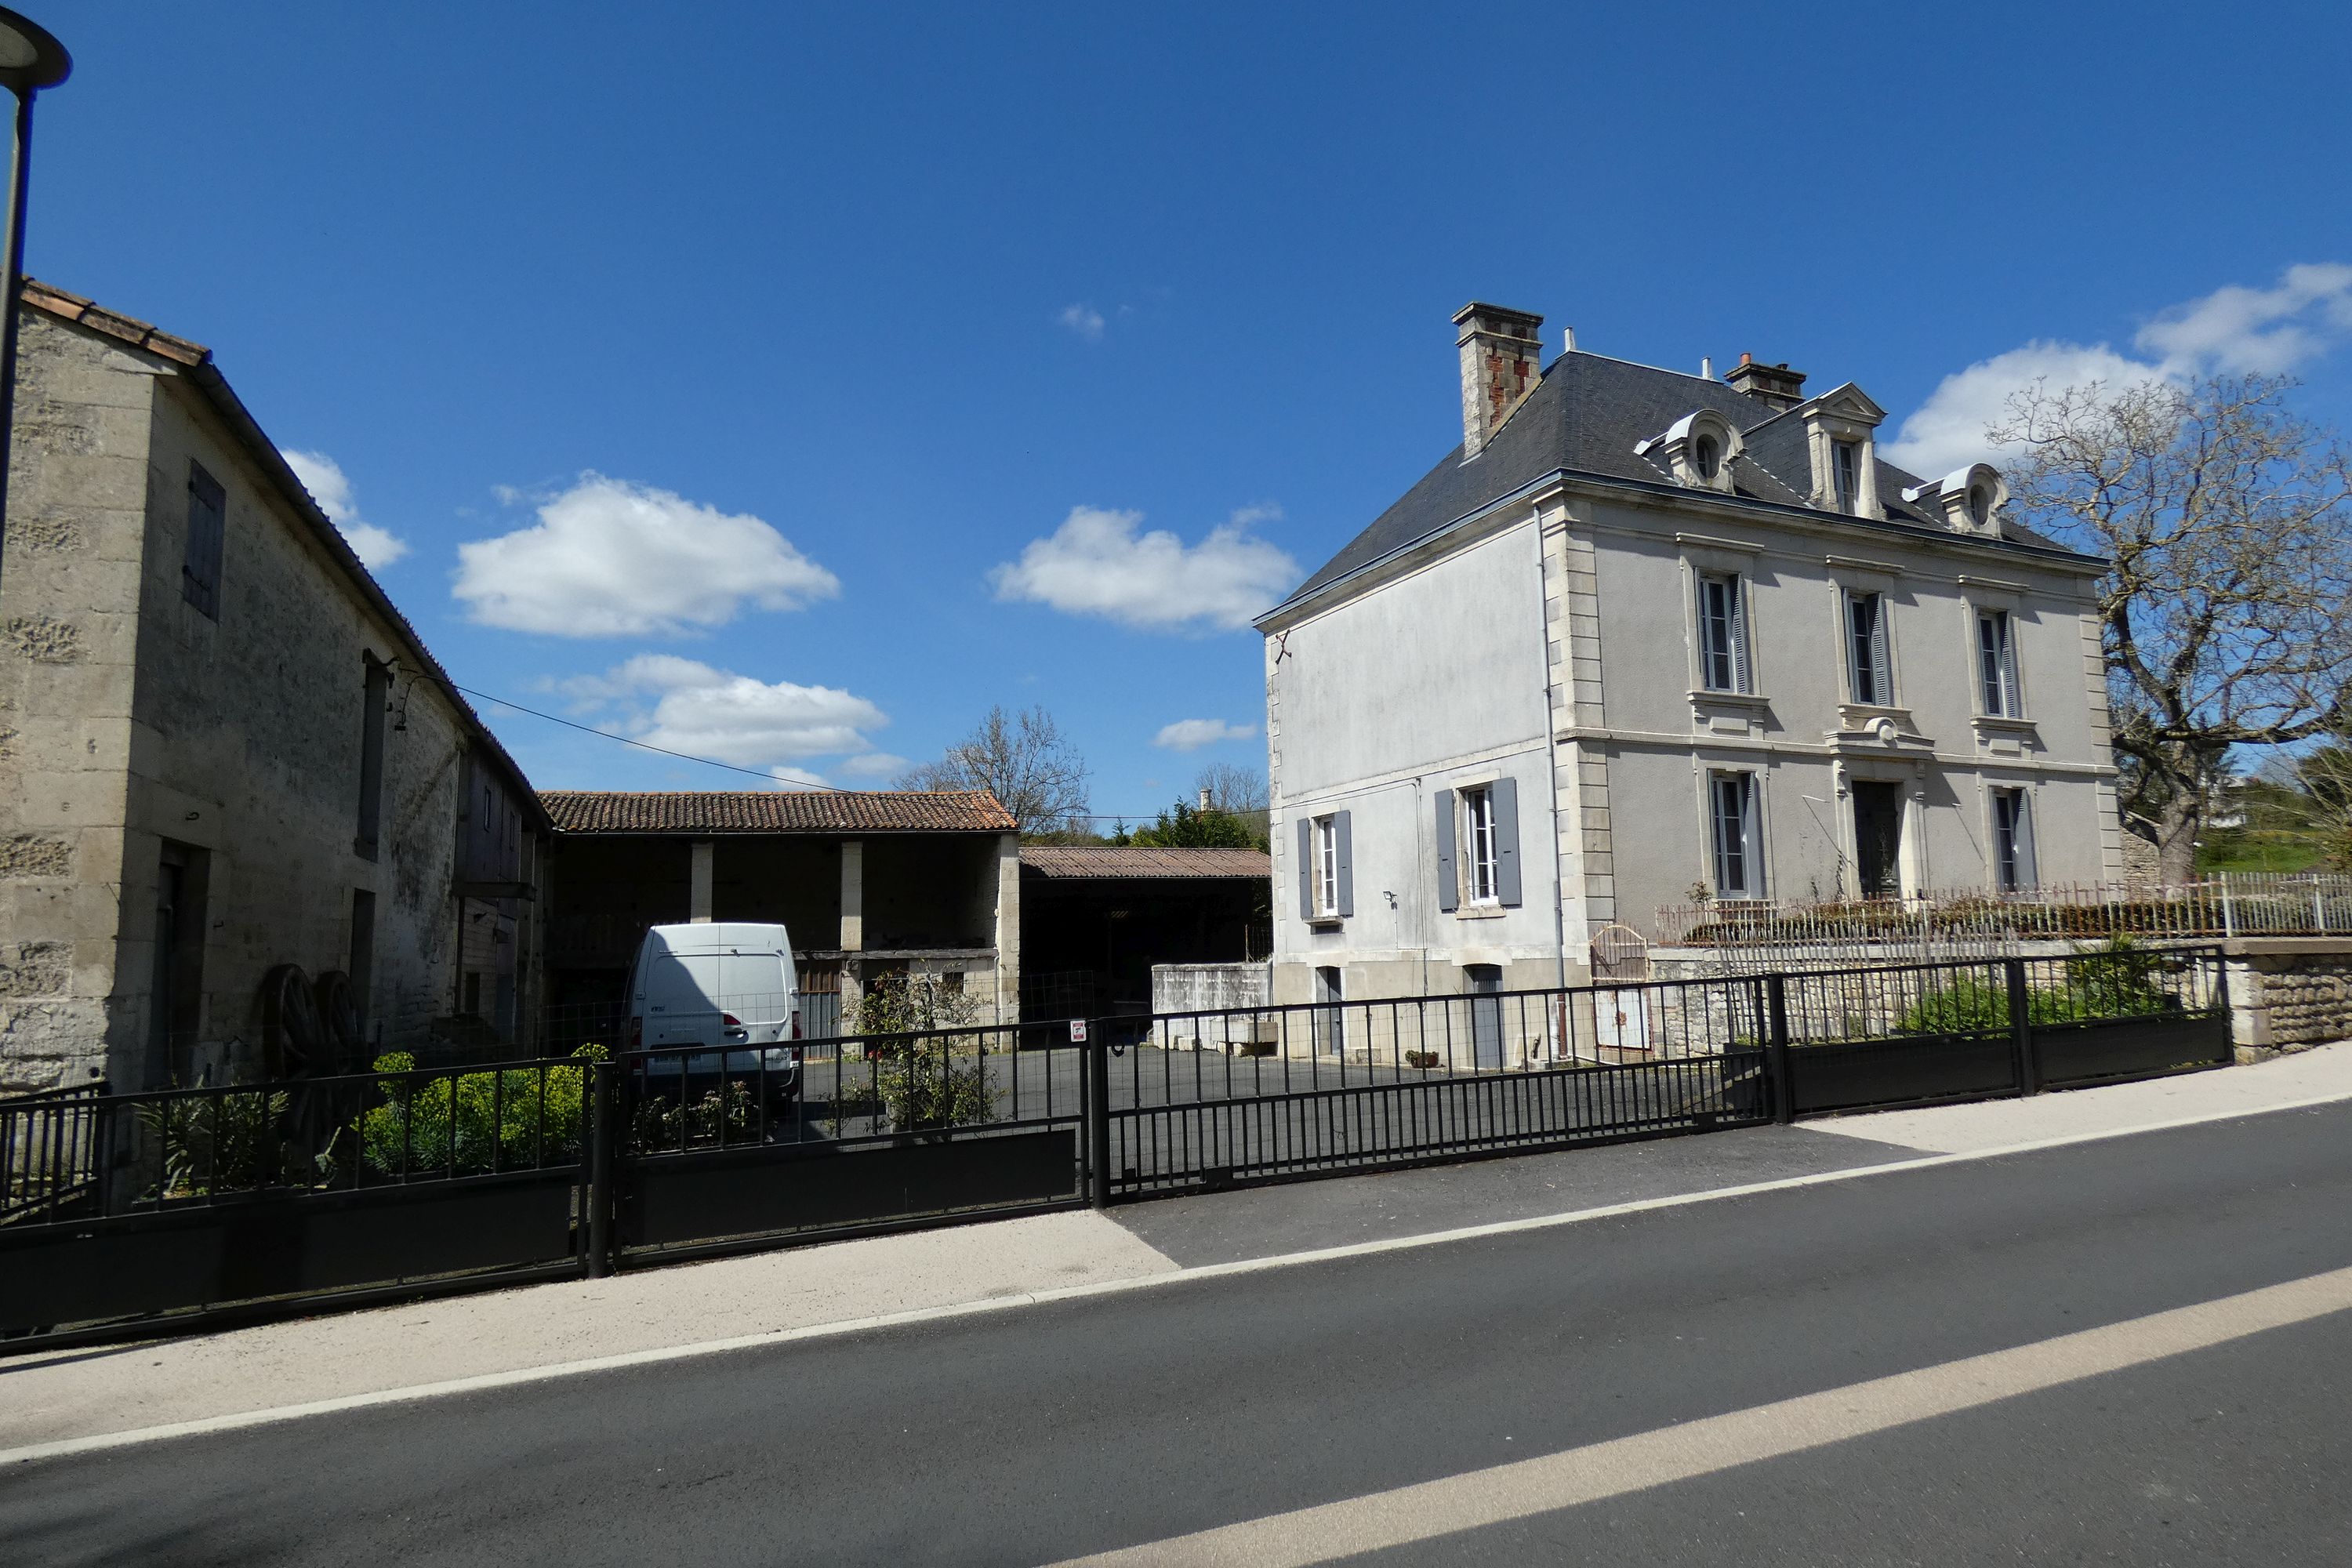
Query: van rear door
point(681, 1008)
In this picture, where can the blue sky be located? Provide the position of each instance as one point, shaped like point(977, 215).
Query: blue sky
point(791, 384)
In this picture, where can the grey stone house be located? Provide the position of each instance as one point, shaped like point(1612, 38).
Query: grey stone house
point(868, 883)
point(1645, 637)
point(244, 817)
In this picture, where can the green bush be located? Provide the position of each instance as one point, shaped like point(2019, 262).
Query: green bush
point(494, 1120)
point(658, 1124)
point(219, 1143)
point(2116, 980)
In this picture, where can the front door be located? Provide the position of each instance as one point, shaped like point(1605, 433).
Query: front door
point(1486, 1016)
point(1878, 838)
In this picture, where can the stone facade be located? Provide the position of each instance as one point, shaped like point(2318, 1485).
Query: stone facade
point(181, 771)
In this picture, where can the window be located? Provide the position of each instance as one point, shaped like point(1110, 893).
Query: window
point(1997, 665)
point(1707, 454)
point(1483, 867)
point(362, 961)
point(2013, 840)
point(1731, 800)
point(375, 700)
point(1981, 504)
point(1723, 634)
point(1845, 472)
point(1868, 667)
point(1326, 873)
point(200, 570)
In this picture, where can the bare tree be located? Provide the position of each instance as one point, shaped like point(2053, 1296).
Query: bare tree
point(2229, 523)
point(1023, 760)
point(1239, 791)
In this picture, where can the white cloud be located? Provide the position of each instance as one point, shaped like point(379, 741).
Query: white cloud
point(1191, 734)
point(875, 765)
point(730, 718)
point(2258, 330)
point(377, 548)
point(1948, 431)
point(1095, 563)
point(608, 558)
point(1082, 321)
point(2233, 328)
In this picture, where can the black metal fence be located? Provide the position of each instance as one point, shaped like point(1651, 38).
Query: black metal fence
point(145, 1212)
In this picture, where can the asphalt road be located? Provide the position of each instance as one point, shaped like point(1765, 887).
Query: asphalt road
point(1047, 1432)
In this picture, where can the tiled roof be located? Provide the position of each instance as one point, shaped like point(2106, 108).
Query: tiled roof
point(1074, 862)
point(204, 375)
point(776, 811)
point(1586, 417)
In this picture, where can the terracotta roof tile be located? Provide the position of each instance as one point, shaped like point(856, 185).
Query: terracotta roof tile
point(776, 811)
point(1074, 862)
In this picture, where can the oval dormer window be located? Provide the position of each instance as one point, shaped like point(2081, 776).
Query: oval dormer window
point(1981, 504)
point(1707, 456)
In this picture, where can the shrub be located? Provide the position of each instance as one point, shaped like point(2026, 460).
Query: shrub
point(499, 1119)
point(658, 1124)
point(225, 1143)
point(920, 1082)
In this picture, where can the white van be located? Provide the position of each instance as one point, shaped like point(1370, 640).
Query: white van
point(729, 985)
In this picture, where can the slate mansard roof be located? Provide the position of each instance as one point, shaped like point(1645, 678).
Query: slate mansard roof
point(715, 813)
point(1585, 417)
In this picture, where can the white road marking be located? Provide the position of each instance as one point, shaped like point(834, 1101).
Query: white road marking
point(1623, 1464)
point(522, 1375)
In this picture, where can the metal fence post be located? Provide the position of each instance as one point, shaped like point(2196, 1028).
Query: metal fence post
point(2020, 1028)
point(1776, 1012)
point(1098, 1115)
point(603, 1133)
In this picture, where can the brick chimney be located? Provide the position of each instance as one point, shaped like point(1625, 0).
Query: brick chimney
point(1502, 359)
point(1774, 383)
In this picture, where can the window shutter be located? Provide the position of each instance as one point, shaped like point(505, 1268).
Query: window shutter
point(1449, 887)
point(1343, 841)
point(1507, 839)
point(1307, 867)
point(1736, 588)
point(1882, 668)
point(1751, 833)
point(2013, 697)
point(2029, 875)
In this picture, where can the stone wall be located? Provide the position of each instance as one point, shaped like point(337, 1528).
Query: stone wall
point(2288, 994)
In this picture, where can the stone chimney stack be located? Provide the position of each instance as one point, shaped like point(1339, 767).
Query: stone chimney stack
point(1502, 359)
point(1774, 383)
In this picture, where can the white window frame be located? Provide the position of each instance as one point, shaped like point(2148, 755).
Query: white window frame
point(2000, 691)
point(1327, 867)
point(1741, 840)
point(1872, 656)
point(1482, 865)
point(1730, 589)
point(1845, 483)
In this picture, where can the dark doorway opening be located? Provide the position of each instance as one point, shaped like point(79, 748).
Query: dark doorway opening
point(1878, 839)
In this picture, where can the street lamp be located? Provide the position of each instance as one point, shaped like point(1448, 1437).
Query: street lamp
point(30, 59)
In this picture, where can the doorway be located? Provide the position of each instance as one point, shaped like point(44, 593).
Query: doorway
point(1878, 838)
point(1330, 1026)
point(1486, 983)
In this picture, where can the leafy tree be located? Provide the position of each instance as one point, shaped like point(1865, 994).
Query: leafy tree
point(1187, 827)
point(1238, 792)
point(1024, 761)
point(2229, 523)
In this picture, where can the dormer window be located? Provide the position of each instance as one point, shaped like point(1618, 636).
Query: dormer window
point(1841, 432)
point(1968, 500)
point(1846, 465)
point(1698, 450)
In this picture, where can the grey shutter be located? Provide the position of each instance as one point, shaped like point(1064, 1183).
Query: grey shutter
point(1751, 827)
point(1882, 668)
point(1736, 589)
point(2029, 875)
point(1449, 887)
point(1307, 867)
point(1343, 842)
point(1507, 839)
point(2013, 697)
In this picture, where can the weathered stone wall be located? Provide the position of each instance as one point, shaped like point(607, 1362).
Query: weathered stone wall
point(2289, 994)
point(135, 722)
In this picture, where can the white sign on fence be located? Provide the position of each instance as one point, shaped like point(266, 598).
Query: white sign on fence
point(1077, 1031)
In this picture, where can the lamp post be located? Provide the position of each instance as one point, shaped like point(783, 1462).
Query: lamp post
point(30, 59)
